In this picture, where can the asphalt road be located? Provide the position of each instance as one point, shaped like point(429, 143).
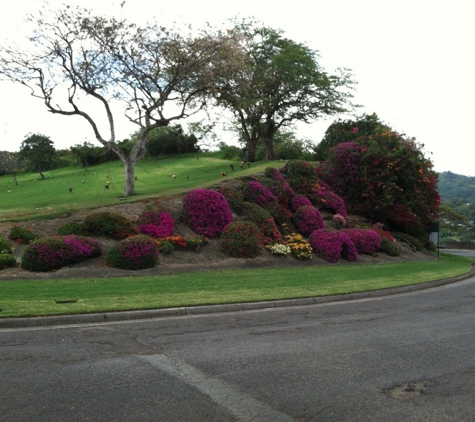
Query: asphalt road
point(396, 358)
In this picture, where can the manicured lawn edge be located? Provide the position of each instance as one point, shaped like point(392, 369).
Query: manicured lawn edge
point(79, 296)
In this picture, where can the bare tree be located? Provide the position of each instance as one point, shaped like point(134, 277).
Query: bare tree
point(158, 75)
point(9, 164)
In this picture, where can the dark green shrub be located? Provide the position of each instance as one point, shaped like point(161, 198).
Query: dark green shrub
point(7, 261)
point(390, 248)
point(108, 224)
point(5, 247)
point(165, 247)
point(234, 198)
point(21, 235)
point(135, 253)
point(72, 228)
point(51, 253)
point(241, 239)
point(195, 243)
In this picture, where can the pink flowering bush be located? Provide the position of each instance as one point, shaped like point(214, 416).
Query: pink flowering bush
point(328, 200)
point(51, 253)
point(241, 239)
point(258, 194)
point(307, 219)
point(348, 248)
point(366, 241)
point(327, 245)
point(157, 224)
point(299, 200)
point(207, 212)
point(277, 184)
point(135, 253)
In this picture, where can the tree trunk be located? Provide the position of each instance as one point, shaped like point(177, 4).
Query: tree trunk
point(251, 150)
point(269, 144)
point(129, 173)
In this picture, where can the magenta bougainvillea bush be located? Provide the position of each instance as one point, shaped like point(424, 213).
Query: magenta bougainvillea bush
point(307, 219)
point(241, 239)
point(54, 252)
point(328, 200)
point(326, 244)
point(299, 200)
point(135, 253)
point(206, 212)
point(366, 241)
point(157, 224)
point(279, 186)
point(348, 248)
point(258, 194)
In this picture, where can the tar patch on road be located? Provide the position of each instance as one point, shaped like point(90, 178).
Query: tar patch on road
point(407, 391)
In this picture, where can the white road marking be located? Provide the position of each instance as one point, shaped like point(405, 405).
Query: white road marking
point(240, 405)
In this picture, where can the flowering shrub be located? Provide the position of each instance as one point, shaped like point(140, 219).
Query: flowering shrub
point(326, 244)
point(234, 198)
point(300, 248)
point(277, 184)
point(258, 194)
point(300, 175)
point(5, 247)
point(279, 249)
point(384, 175)
point(348, 248)
point(299, 200)
point(51, 253)
point(339, 220)
point(108, 224)
point(307, 219)
point(206, 211)
point(195, 243)
point(159, 225)
point(390, 248)
point(7, 261)
point(263, 219)
point(72, 228)
point(282, 216)
point(135, 253)
point(366, 241)
point(328, 200)
point(241, 239)
point(21, 235)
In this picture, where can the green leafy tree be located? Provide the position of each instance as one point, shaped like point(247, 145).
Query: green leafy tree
point(158, 75)
point(9, 164)
point(171, 140)
point(282, 84)
point(454, 226)
point(38, 152)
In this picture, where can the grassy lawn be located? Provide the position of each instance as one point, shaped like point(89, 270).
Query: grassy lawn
point(36, 198)
point(55, 297)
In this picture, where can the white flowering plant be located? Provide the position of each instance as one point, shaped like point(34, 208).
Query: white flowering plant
point(279, 249)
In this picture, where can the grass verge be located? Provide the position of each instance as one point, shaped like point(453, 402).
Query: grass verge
point(74, 296)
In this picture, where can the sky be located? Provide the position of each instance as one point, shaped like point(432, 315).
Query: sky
point(412, 60)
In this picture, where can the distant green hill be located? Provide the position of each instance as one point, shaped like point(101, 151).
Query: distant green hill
point(456, 188)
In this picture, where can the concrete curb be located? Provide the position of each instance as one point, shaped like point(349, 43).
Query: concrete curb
point(48, 321)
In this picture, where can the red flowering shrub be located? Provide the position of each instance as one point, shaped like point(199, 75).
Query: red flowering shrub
point(241, 239)
point(366, 241)
point(234, 198)
point(258, 194)
point(206, 211)
point(264, 220)
point(327, 245)
point(282, 216)
point(22, 235)
point(385, 176)
point(108, 224)
point(307, 219)
point(135, 253)
point(51, 253)
point(299, 200)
